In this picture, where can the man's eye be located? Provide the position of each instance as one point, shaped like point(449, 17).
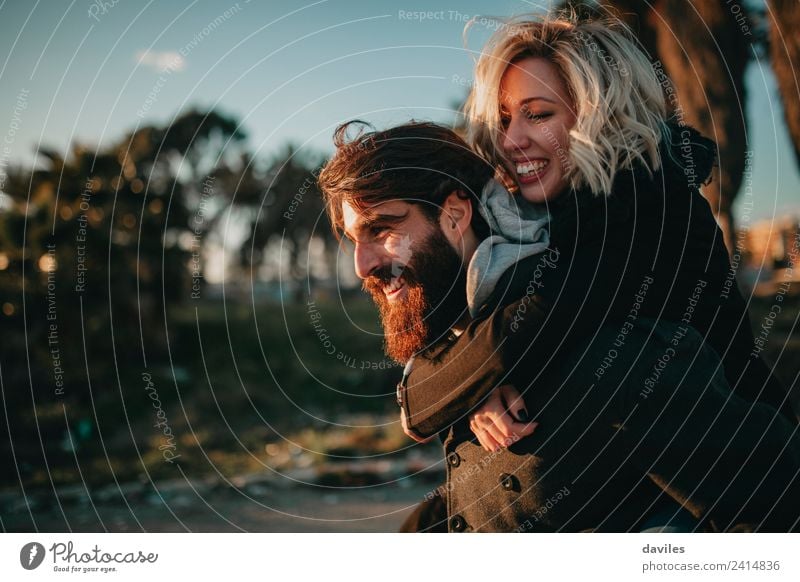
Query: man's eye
point(377, 231)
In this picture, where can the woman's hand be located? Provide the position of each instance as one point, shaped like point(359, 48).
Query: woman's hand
point(494, 423)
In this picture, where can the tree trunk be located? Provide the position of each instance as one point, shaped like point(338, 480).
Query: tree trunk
point(704, 51)
point(784, 51)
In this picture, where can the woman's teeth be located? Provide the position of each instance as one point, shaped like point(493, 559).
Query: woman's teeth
point(531, 167)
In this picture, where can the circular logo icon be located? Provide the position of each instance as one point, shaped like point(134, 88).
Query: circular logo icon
point(31, 555)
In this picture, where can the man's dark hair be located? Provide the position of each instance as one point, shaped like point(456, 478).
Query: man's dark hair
point(417, 162)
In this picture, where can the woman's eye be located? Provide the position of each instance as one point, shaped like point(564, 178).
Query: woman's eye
point(536, 116)
point(505, 119)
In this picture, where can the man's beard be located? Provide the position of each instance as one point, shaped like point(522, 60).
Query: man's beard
point(435, 300)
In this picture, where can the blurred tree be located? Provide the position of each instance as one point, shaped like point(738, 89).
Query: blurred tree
point(704, 53)
point(283, 209)
point(92, 251)
point(784, 51)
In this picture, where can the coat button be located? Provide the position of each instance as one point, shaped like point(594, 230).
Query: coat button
point(508, 482)
point(457, 523)
point(453, 459)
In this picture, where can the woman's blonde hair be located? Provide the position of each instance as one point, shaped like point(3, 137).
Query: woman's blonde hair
point(619, 102)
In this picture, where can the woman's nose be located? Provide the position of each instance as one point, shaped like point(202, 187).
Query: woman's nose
point(515, 137)
point(367, 259)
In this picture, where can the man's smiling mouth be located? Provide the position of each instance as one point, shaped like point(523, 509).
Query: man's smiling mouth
point(394, 288)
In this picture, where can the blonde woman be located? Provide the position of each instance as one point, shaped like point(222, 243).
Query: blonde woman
point(575, 119)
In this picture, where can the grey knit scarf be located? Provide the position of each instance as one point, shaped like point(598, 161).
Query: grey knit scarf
point(517, 229)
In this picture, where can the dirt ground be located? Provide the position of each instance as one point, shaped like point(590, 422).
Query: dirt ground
point(215, 507)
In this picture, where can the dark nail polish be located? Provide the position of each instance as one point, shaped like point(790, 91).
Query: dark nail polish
point(522, 415)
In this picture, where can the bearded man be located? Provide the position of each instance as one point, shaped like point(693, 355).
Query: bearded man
point(602, 454)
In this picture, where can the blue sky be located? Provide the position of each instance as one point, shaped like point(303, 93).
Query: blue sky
point(290, 70)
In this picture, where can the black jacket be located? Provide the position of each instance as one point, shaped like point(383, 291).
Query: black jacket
point(636, 421)
point(604, 249)
point(650, 250)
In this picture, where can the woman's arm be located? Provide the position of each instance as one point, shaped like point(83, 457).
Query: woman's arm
point(551, 308)
point(727, 460)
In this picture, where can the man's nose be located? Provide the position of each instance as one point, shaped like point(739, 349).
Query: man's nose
point(515, 137)
point(367, 259)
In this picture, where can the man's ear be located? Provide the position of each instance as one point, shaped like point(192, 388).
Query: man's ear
point(456, 217)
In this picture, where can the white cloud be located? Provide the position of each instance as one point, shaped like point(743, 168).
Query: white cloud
point(161, 61)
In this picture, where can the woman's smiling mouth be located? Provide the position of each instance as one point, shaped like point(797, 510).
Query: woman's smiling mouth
point(528, 172)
